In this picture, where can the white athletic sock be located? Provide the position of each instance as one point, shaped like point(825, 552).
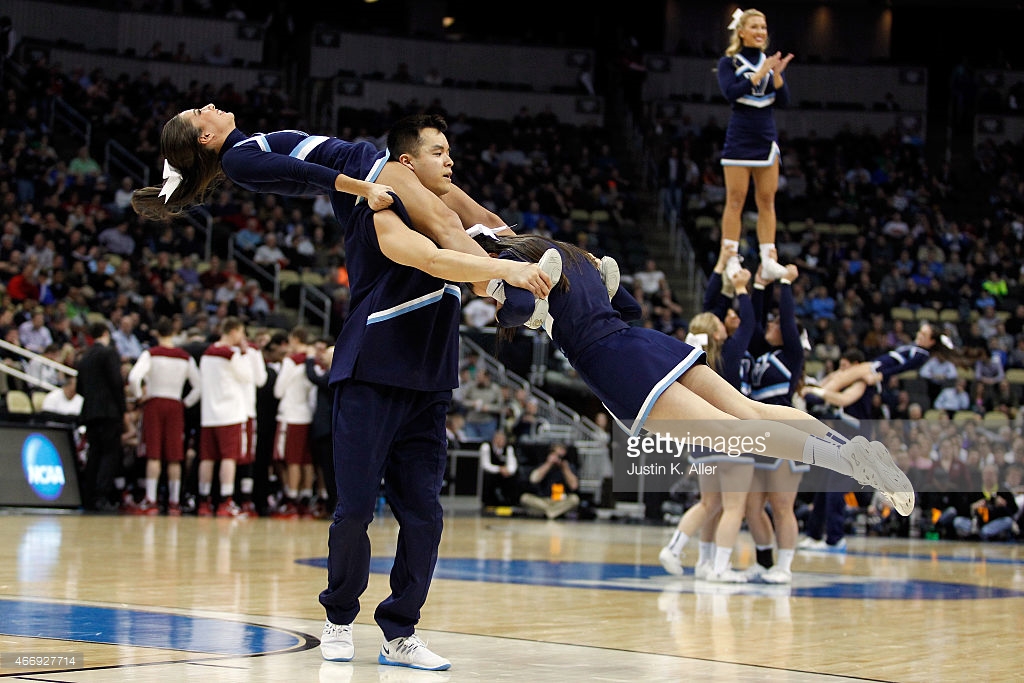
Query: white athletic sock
point(785, 559)
point(227, 490)
point(245, 485)
point(151, 490)
point(766, 251)
point(825, 454)
point(838, 438)
point(204, 488)
point(731, 243)
point(722, 556)
point(706, 552)
point(174, 490)
point(678, 542)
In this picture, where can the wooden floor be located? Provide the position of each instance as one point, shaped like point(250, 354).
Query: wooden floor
point(156, 598)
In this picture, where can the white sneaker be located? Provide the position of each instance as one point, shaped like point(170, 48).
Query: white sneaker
point(755, 573)
point(411, 652)
point(700, 572)
point(551, 263)
point(837, 547)
point(670, 562)
point(729, 575)
point(772, 269)
point(610, 275)
point(812, 544)
point(336, 642)
point(873, 466)
point(777, 575)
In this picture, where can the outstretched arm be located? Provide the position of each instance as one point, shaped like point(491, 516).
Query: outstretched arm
point(409, 248)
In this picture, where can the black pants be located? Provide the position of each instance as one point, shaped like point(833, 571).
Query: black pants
point(103, 462)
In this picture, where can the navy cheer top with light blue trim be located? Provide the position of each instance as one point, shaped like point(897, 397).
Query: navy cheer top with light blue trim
point(403, 326)
point(295, 164)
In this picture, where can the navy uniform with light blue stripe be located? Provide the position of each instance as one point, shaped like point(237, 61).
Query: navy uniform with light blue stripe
point(627, 367)
point(750, 137)
point(395, 365)
point(777, 373)
point(296, 164)
point(901, 359)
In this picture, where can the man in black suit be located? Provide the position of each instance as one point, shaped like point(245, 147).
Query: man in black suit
point(102, 387)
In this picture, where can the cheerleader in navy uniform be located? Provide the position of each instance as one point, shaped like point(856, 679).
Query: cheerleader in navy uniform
point(723, 494)
point(203, 145)
point(395, 364)
point(876, 371)
point(775, 377)
point(751, 80)
point(644, 376)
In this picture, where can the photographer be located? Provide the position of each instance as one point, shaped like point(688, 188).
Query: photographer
point(555, 485)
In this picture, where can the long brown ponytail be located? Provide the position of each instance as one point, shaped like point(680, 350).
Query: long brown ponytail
point(198, 165)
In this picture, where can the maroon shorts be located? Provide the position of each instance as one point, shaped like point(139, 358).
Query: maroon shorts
point(291, 444)
point(163, 430)
point(249, 442)
point(222, 443)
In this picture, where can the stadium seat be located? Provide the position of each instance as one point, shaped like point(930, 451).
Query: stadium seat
point(37, 400)
point(965, 416)
point(929, 314)
point(19, 403)
point(949, 315)
point(902, 313)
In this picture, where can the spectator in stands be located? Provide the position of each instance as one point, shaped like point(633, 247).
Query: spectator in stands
point(751, 80)
point(500, 464)
point(269, 254)
point(650, 278)
point(43, 370)
point(952, 398)
point(484, 402)
point(939, 371)
point(555, 485)
point(479, 312)
point(989, 371)
point(64, 401)
point(84, 168)
point(125, 340)
point(992, 510)
point(34, 334)
point(23, 288)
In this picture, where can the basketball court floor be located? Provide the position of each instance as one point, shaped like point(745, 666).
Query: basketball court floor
point(189, 599)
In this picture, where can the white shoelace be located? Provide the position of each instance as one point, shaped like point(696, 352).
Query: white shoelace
point(337, 629)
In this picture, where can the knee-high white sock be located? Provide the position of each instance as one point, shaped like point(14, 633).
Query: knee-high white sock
point(785, 559)
point(722, 556)
point(678, 542)
point(705, 552)
point(825, 454)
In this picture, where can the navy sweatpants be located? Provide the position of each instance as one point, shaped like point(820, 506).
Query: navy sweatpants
point(398, 434)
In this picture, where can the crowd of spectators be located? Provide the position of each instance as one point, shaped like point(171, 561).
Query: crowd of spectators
point(928, 237)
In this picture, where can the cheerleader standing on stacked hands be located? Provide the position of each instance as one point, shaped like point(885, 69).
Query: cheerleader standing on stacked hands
point(752, 81)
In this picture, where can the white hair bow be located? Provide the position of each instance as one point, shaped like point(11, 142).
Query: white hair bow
point(172, 178)
point(698, 341)
point(946, 341)
point(736, 16)
point(804, 341)
point(481, 229)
